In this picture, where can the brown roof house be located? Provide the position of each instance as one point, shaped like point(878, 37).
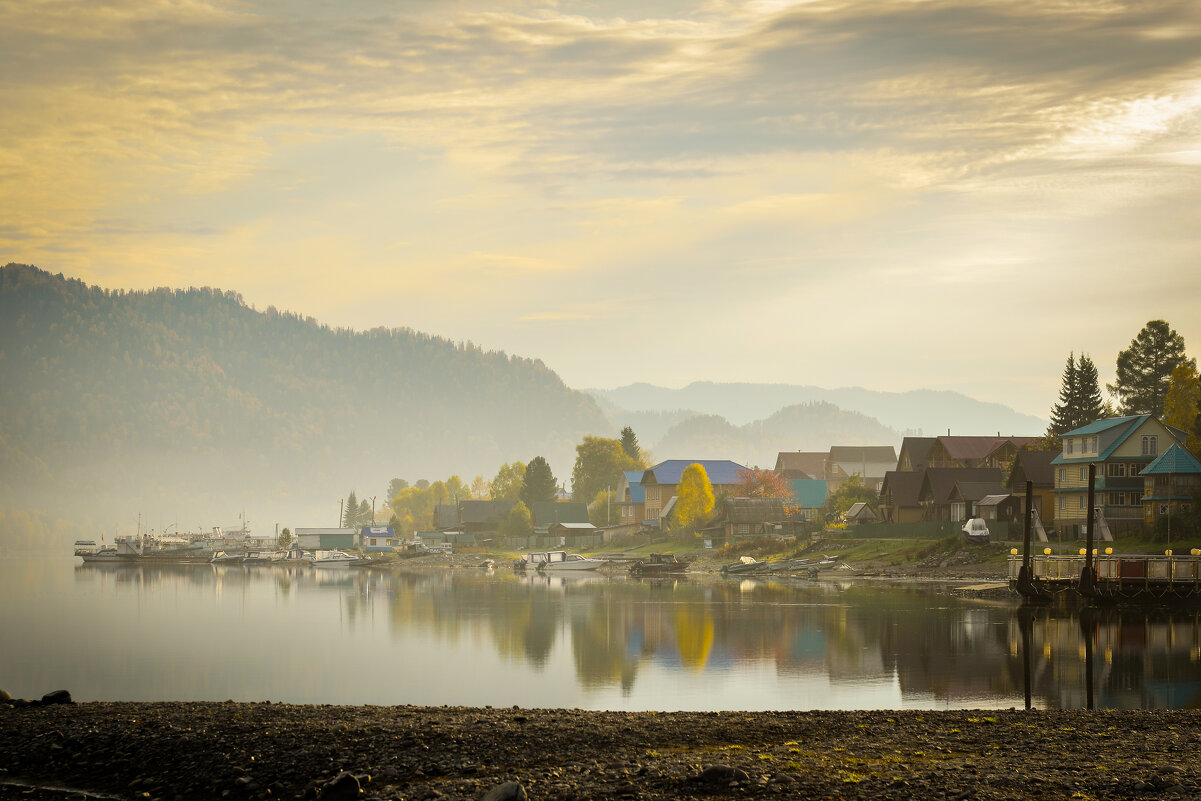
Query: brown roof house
point(746, 518)
point(938, 497)
point(870, 463)
point(860, 512)
point(966, 497)
point(1035, 467)
point(801, 464)
point(899, 497)
point(915, 453)
point(956, 451)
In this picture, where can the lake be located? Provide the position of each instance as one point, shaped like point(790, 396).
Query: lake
point(476, 637)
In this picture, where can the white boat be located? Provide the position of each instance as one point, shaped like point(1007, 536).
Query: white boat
point(223, 558)
point(86, 547)
point(107, 555)
point(333, 559)
point(562, 560)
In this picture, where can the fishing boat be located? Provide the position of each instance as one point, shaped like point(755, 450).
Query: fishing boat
point(658, 564)
point(107, 556)
point(529, 561)
point(84, 547)
point(262, 557)
point(333, 559)
point(746, 565)
point(562, 560)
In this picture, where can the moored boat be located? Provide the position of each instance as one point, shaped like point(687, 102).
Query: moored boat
point(658, 564)
point(333, 559)
point(562, 560)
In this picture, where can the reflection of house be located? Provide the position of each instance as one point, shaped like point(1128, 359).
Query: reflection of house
point(546, 513)
point(937, 493)
point(899, 493)
point(1170, 483)
point(660, 482)
point(860, 512)
point(808, 496)
point(1119, 447)
point(870, 463)
point(1035, 467)
point(631, 498)
point(801, 464)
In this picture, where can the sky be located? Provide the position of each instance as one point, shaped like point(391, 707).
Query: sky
point(889, 194)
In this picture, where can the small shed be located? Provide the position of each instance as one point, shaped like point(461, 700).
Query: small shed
point(378, 538)
point(326, 539)
point(578, 536)
point(860, 513)
point(999, 507)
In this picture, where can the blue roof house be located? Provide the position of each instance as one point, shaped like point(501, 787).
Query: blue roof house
point(660, 482)
point(1120, 448)
point(1170, 483)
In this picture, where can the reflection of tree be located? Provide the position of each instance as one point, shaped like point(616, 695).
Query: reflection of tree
point(694, 636)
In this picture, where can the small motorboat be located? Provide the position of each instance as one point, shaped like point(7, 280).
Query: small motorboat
point(745, 565)
point(333, 559)
point(659, 564)
point(562, 560)
point(976, 530)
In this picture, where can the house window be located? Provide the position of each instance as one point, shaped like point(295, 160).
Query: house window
point(1116, 469)
point(1070, 445)
point(1063, 475)
point(1084, 474)
point(1117, 499)
point(1063, 502)
point(744, 528)
point(1136, 498)
point(1150, 446)
point(1080, 502)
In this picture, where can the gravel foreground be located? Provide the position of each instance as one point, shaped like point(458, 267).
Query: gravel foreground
point(266, 751)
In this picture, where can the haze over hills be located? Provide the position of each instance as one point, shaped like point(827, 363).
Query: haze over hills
point(923, 411)
point(189, 406)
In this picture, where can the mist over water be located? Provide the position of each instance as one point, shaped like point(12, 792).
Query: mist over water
point(476, 637)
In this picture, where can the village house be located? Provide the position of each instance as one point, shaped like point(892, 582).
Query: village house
point(1119, 448)
point(860, 513)
point(958, 451)
point(899, 496)
point(1170, 484)
point(546, 513)
point(915, 454)
point(870, 463)
point(940, 500)
point(746, 518)
point(808, 497)
point(660, 483)
point(1035, 467)
point(967, 496)
point(792, 465)
point(631, 498)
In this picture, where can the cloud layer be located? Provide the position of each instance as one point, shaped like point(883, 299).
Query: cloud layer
point(879, 193)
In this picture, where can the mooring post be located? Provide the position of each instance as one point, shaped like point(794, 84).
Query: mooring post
point(1087, 576)
point(1026, 532)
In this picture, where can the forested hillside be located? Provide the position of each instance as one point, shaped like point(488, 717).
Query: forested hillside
point(191, 403)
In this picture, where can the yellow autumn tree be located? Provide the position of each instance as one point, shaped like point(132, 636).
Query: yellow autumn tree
point(694, 496)
point(1181, 404)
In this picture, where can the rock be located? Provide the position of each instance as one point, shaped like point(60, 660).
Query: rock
point(508, 791)
point(57, 697)
point(343, 787)
point(5, 696)
point(723, 774)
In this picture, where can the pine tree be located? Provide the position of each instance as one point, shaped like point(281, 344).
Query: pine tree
point(1145, 369)
point(363, 518)
point(540, 484)
point(350, 511)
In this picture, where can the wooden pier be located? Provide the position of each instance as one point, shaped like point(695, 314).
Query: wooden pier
point(1115, 578)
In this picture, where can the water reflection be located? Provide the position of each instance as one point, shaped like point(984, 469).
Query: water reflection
point(495, 637)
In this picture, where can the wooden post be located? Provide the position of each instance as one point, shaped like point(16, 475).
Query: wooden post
point(1026, 531)
point(1087, 584)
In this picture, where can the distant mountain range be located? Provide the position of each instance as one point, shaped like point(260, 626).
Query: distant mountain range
point(922, 412)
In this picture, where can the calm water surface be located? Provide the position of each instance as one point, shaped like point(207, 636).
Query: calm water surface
point(473, 637)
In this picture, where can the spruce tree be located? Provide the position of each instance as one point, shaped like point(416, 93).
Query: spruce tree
point(1062, 414)
point(350, 511)
point(629, 443)
point(1088, 392)
point(1145, 369)
point(540, 484)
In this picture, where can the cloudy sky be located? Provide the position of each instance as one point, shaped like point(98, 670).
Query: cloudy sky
point(891, 194)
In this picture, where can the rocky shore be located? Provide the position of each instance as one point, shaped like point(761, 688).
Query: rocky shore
point(266, 751)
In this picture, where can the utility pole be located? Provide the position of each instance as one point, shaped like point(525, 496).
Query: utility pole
point(373, 510)
point(341, 504)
